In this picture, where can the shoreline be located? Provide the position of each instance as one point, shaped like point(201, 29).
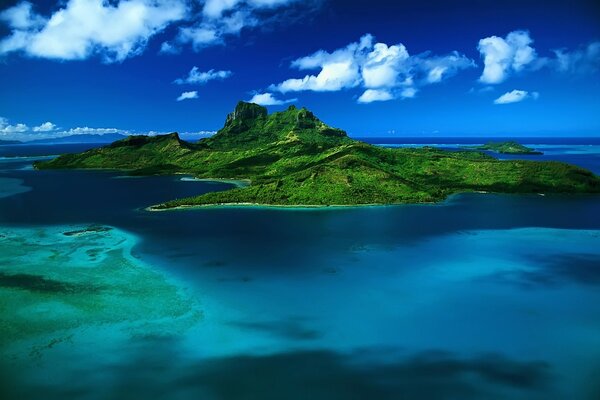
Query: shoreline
point(318, 207)
point(289, 207)
point(240, 183)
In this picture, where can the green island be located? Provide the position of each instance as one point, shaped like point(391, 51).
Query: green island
point(294, 159)
point(510, 147)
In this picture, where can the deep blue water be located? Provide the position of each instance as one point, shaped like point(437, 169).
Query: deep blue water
point(482, 296)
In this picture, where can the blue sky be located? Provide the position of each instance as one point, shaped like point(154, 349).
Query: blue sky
point(373, 68)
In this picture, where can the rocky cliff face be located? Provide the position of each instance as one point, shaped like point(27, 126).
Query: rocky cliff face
point(249, 125)
point(245, 112)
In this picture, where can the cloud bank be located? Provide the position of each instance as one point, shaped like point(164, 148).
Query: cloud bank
point(118, 29)
point(21, 131)
point(6, 128)
point(384, 72)
point(48, 130)
point(82, 28)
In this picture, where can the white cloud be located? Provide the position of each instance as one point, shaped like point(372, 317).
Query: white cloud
point(371, 95)
point(22, 16)
point(91, 131)
point(582, 60)
point(118, 29)
point(6, 128)
point(169, 48)
point(215, 8)
point(199, 36)
point(503, 56)
point(82, 28)
point(436, 69)
point(339, 70)
point(45, 127)
point(515, 96)
point(222, 18)
point(267, 99)
point(384, 65)
point(188, 95)
point(408, 93)
point(386, 72)
point(200, 78)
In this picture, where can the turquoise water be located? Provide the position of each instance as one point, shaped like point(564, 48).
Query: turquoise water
point(480, 297)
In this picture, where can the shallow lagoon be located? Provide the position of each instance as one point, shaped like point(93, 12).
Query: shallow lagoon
point(482, 296)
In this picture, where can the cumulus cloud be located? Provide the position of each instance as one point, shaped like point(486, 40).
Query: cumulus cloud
point(385, 71)
point(371, 95)
point(45, 127)
point(81, 28)
point(515, 96)
point(195, 77)
point(188, 95)
point(267, 99)
point(503, 56)
point(6, 128)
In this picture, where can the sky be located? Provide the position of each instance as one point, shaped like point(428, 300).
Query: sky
point(373, 68)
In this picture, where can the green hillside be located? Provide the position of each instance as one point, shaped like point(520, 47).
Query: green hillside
point(293, 158)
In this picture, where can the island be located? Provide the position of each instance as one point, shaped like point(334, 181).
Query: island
point(293, 159)
point(510, 147)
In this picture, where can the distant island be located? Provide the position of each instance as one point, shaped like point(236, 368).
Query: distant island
point(81, 138)
point(509, 147)
point(292, 158)
point(2, 142)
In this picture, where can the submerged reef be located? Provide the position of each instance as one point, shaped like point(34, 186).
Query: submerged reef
point(58, 281)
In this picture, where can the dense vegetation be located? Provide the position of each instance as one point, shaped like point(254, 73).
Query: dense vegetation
point(509, 147)
point(292, 158)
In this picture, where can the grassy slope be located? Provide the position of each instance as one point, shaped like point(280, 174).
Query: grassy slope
point(292, 158)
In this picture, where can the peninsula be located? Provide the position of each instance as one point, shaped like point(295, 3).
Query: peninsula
point(292, 158)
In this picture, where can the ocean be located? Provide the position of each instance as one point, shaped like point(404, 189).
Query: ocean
point(482, 296)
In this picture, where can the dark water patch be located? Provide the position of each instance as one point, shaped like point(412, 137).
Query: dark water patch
point(36, 283)
point(289, 329)
point(215, 263)
point(554, 270)
point(578, 268)
point(241, 279)
point(166, 373)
